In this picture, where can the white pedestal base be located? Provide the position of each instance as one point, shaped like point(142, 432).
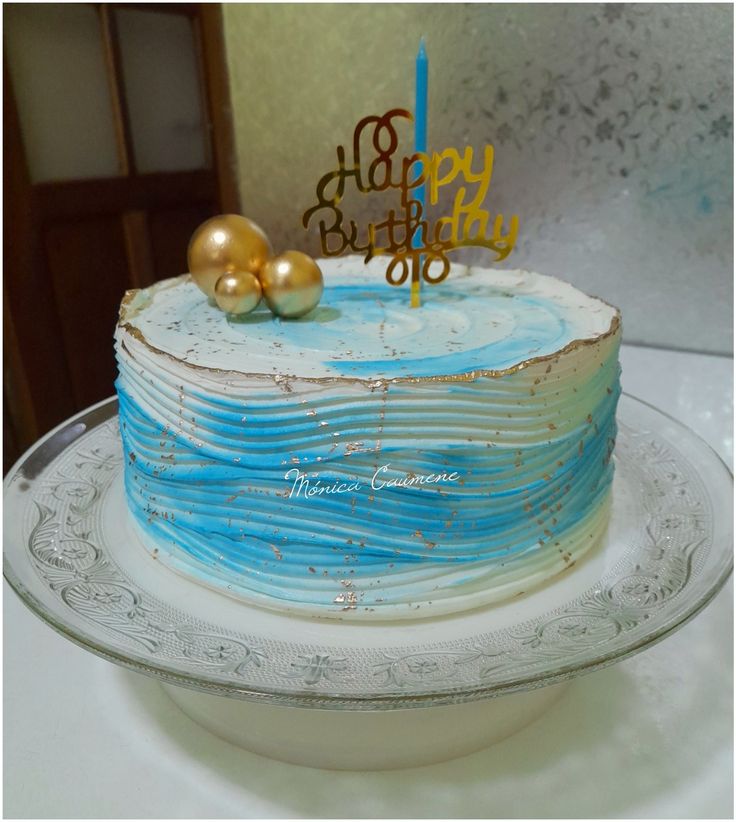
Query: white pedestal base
point(365, 740)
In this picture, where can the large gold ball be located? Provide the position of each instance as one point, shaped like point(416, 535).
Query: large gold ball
point(223, 244)
point(292, 284)
point(237, 292)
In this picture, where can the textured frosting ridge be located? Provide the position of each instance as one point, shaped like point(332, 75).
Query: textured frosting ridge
point(504, 391)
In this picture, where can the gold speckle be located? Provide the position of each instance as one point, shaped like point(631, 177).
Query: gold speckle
point(350, 599)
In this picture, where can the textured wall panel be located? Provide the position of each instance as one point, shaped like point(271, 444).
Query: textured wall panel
point(612, 125)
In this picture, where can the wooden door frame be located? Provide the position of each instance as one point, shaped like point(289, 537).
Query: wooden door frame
point(222, 134)
point(27, 349)
point(32, 348)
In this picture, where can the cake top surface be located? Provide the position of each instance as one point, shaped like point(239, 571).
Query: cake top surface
point(477, 320)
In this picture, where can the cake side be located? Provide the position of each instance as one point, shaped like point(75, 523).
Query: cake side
point(384, 497)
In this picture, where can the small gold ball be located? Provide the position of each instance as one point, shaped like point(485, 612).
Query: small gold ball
point(226, 243)
point(237, 292)
point(292, 284)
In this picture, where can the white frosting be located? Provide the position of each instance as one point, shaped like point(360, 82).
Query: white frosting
point(364, 328)
point(506, 379)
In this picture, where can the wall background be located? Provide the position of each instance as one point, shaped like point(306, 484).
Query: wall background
point(612, 124)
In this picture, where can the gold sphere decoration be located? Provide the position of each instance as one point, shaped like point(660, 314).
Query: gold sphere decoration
point(292, 284)
point(237, 292)
point(226, 243)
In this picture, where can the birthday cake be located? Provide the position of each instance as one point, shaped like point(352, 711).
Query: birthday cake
point(369, 459)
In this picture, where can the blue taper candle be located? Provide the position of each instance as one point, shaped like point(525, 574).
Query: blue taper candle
point(420, 145)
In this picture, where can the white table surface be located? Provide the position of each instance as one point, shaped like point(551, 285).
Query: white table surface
point(649, 737)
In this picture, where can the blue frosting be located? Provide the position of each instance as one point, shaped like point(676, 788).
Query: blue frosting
point(235, 519)
point(366, 330)
point(519, 464)
point(542, 331)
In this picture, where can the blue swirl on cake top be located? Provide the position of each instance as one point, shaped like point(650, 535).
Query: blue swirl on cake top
point(364, 327)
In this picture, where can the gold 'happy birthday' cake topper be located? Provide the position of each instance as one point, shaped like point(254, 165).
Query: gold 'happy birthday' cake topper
point(407, 234)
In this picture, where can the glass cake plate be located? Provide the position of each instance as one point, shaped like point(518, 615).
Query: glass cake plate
point(73, 556)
